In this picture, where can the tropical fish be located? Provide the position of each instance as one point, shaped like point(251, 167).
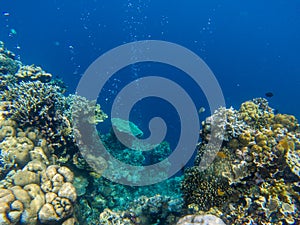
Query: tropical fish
point(201, 110)
point(269, 94)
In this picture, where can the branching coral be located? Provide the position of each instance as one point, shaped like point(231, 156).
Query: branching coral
point(34, 103)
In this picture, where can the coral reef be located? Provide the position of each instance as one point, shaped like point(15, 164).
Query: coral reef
point(43, 107)
point(33, 102)
point(38, 133)
point(255, 175)
point(110, 218)
point(80, 183)
point(204, 189)
point(44, 178)
point(135, 155)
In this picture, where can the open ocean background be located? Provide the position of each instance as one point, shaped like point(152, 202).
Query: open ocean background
point(252, 47)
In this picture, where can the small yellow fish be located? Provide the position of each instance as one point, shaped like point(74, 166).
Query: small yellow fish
point(220, 192)
point(222, 155)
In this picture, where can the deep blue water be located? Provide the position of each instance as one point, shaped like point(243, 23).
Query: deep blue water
point(252, 47)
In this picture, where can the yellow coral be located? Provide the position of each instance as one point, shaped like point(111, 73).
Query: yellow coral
point(32, 73)
point(256, 148)
point(245, 138)
point(249, 111)
point(287, 121)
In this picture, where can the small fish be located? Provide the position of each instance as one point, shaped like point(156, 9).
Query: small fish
point(201, 110)
point(222, 155)
point(13, 31)
point(6, 14)
point(269, 94)
point(220, 192)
